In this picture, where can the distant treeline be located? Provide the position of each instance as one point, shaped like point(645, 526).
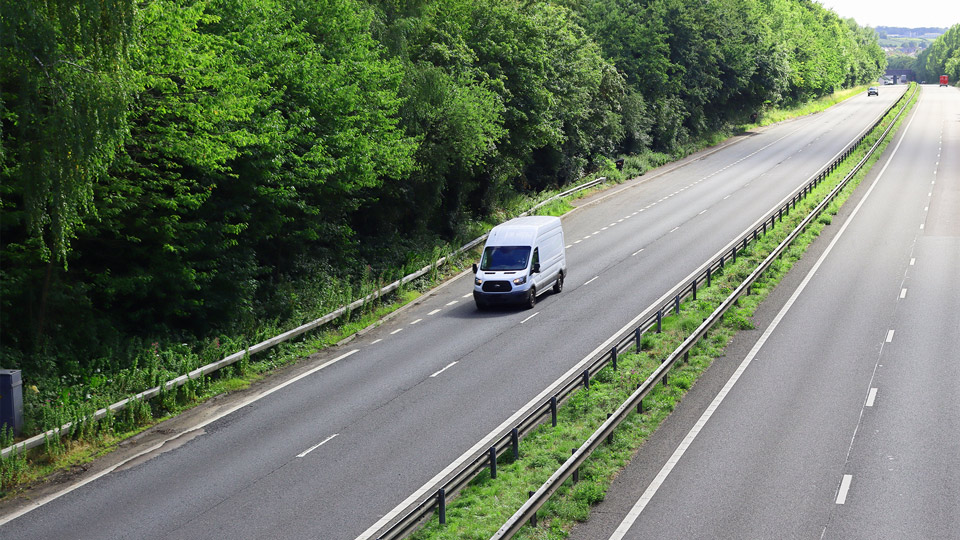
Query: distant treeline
point(184, 169)
point(942, 57)
point(884, 31)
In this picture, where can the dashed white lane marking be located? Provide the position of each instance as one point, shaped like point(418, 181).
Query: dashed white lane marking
point(889, 336)
point(587, 236)
point(452, 303)
point(674, 229)
point(468, 295)
point(568, 246)
point(903, 293)
point(637, 251)
point(605, 228)
point(450, 365)
point(578, 241)
point(871, 397)
point(434, 312)
point(913, 261)
point(397, 330)
point(844, 488)
point(596, 232)
point(591, 280)
point(727, 197)
point(623, 218)
point(374, 342)
point(530, 317)
point(318, 445)
point(416, 321)
point(921, 226)
point(702, 212)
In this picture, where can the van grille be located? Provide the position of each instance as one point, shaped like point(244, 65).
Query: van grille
point(496, 286)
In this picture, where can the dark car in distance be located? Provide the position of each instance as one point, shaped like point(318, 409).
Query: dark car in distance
point(873, 91)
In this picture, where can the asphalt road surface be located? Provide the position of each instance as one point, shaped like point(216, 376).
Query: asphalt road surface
point(327, 448)
point(839, 417)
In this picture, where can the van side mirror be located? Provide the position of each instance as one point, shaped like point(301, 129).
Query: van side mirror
point(535, 269)
point(475, 268)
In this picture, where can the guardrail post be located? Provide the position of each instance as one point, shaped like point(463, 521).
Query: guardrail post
point(733, 254)
point(686, 356)
point(676, 303)
point(709, 271)
point(586, 379)
point(659, 321)
point(764, 226)
point(553, 410)
point(745, 244)
point(533, 518)
point(515, 442)
point(610, 436)
point(637, 334)
point(613, 357)
point(640, 407)
point(693, 288)
point(442, 506)
point(722, 261)
point(754, 235)
point(576, 472)
point(493, 461)
point(781, 214)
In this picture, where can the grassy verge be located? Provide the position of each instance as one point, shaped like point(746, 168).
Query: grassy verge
point(484, 505)
point(54, 403)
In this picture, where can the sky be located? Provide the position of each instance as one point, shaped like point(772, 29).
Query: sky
point(909, 14)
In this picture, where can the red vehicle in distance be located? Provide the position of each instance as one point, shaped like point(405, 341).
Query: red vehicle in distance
point(944, 80)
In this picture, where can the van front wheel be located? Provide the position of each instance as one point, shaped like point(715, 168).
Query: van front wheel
point(532, 298)
point(558, 284)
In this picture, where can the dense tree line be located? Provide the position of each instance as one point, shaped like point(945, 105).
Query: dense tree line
point(942, 57)
point(176, 169)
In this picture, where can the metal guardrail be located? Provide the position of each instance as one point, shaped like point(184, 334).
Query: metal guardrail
point(527, 512)
point(509, 440)
point(38, 440)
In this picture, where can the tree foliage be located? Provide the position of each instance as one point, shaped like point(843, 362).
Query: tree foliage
point(942, 57)
point(176, 169)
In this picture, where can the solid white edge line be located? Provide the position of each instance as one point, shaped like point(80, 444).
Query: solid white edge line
point(871, 397)
point(485, 442)
point(651, 490)
point(448, 366)
point(318, 445)
point(53, 496)
point(844, 488)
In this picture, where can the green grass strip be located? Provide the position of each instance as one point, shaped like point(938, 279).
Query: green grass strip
point(485, 504)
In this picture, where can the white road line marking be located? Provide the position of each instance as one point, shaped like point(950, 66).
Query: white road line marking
point(727, 197)
point(903, 293)
point(468, 295)
point(374, 342)
point(702, 212)
point(605, 228)
point(314, 447)
point(587, 236)
point(637, 251)
point(37, 503)
point(568, 246)
point(578, 241)
point(434, 312)
point(654, 486)
point(675, 228)
point(621, 219)
point(591, 280)
point(397, 330)
point(844, 488)
point(926, 208)
point(452, 303)
point(921, 226)
point(596, 232)
point(871, 397)
point(450, 365)
point(913, 261)
point(415, 322)
point(889, 336)
point(530, 317)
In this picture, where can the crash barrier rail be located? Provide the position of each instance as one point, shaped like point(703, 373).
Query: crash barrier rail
point(509, 440)
point(38, 440)
point(527, 512)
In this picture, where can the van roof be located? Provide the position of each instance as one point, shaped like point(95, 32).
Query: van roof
point(521, 231)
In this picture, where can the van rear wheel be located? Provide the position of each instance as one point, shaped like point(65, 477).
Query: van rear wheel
point(558, 284)
point(532, 298)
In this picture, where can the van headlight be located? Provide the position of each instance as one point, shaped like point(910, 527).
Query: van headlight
point(477, 281)
point(520, 280)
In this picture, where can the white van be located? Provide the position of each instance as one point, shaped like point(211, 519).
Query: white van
point(521, 259)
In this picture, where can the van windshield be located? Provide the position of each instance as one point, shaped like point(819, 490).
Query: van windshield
point(500, 258)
